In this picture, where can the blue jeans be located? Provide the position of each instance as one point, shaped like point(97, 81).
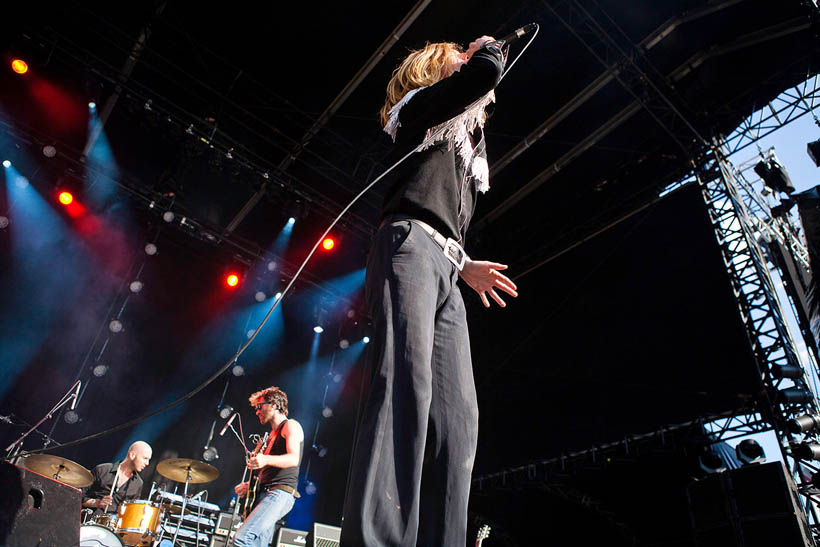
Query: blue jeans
point(414, 453)
point(257, 531)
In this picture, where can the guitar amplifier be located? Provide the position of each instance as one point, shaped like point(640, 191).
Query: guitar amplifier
point(222, 532)
point(324, 535)
point(291, 538)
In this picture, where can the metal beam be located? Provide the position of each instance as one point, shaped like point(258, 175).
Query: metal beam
point(333, 107)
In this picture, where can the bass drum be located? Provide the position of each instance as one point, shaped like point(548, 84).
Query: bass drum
point(94, 535)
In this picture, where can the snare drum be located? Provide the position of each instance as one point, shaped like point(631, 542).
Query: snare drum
point(108, 520)
point(94, 535)
point(137, 522)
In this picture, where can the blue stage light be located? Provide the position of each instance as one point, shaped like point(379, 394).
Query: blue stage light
point(318, 329)
point(92, 105)
point(6, 164)
point(366, 339)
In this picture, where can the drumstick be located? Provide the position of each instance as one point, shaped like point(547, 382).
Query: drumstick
point(113, 486)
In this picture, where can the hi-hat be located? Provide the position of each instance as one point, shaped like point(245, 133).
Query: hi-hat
point(59, 469)
point(179, 469)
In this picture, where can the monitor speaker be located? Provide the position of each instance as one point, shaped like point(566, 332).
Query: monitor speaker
point(36, 510)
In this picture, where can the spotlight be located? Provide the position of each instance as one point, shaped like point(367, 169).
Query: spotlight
point(66, 198)
point(310, 488)
point(272, 265)
point(807, 451)
point(320, 450)
point(6, 164)
point(291, 221)
point(232, 280)
point(787, 371)
point(250, 333)
point(135, 286)
point(774, 176)
point(328, 243)
point(749, 451)
point(19, 66)
point(337, 378)
point(92, 105)
point(238, 370)
point(710, 462)
point(150, 249)
point(795, 395)
point(115, 326)
point(344, 344)
point(4, 222)
point(225, 411)
point(210, 454)
point(71, 417)
point(259, 296)
point(327, 412)
point(100, 370)
point(49, 151)
point(318, 329)
point(168, 216)
point(803, 423)
point(277, 296)
point(366, 339)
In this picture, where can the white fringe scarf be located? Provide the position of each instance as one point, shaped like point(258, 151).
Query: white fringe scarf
point(456, 134)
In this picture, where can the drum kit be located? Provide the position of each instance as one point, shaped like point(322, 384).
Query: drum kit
point(137, 522)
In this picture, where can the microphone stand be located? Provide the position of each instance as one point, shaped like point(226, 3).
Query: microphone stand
point(13, 449)
point(235, 511)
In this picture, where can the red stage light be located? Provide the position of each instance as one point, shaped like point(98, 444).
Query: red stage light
point(232, 280)
point(19, 66)
point(66, 198)
point(328, 243)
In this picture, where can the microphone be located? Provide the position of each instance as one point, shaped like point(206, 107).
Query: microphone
point(75, 395)
point(197, 495)
point(228, 424)
point(518, 33)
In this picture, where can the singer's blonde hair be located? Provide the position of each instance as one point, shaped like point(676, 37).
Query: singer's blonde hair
point(422, 67)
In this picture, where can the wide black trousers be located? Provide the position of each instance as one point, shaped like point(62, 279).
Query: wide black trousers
point(414, 453)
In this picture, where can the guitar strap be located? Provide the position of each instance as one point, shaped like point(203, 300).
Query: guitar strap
point(275, 437)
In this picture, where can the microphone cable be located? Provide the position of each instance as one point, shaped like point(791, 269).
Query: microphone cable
point(432, 138)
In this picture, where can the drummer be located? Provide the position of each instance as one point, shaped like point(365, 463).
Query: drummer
point(126, 472)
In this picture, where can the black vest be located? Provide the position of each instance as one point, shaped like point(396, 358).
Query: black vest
point(288, 476)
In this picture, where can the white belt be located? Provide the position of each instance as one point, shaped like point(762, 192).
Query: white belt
point(452, 250)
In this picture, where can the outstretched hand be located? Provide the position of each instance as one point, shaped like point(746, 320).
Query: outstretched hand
point(484, 277)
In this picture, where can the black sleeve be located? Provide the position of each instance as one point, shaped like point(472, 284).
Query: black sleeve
point(449, 97)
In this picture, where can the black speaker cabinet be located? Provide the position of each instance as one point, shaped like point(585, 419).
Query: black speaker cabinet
point(756, 505)
point(36, 511)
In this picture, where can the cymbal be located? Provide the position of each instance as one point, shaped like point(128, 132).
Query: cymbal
point(60, 469)
point(177, 469)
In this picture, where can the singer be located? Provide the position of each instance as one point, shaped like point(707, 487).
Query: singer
point(127, 475)
point(416, 444)
point(277, 467)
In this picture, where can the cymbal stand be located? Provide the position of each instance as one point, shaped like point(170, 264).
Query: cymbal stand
point(184, 503)
point(13, 449)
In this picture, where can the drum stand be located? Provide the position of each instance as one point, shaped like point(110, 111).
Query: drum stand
point(184, 503)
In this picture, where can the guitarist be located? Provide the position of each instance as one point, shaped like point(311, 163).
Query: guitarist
point(276, 467)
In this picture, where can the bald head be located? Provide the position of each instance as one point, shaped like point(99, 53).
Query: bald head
point(139, 454)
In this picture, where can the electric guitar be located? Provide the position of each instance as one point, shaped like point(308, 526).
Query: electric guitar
point(253, 478)
point(483, 533)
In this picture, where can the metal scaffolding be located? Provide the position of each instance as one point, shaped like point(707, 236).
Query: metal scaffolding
point(751, 239)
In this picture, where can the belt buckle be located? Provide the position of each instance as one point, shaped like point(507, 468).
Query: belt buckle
point(455, 253)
